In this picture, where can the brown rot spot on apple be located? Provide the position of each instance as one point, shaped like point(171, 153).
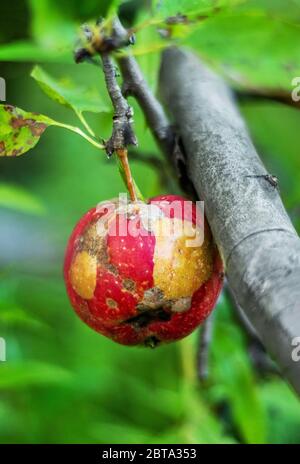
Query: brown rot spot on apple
point(129, 285)
point(145, 288)
point(111, 303)
point(153, 298)
point(181, 305)
point(145, 318)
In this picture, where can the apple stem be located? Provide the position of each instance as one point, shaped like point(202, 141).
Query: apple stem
point(123, 157)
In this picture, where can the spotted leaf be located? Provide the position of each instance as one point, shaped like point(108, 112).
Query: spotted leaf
point(19, 130)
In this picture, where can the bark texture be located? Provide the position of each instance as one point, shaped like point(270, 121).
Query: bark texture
point(258, 243)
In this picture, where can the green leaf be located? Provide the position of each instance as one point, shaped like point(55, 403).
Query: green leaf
point(275, 130)
point(15, 316)
point(20, 131)
point(51, 27)
point(116, 432)
point(19, 375)
point(288, 9)
point(252, 48)
point(53, 36)
point(19, 199)
point(149, 63)
point(234, 379)
point(67, 93)
point(167, 8)
point(283, 410)
point(29, 51)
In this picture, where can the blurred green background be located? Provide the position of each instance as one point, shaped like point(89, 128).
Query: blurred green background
point(62, 382)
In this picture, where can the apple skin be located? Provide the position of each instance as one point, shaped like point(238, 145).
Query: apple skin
point(142, 288)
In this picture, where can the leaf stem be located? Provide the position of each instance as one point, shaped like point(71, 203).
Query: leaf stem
point(85, 123)
point(78, 131)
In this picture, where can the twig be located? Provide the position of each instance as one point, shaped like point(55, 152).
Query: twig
point(261, 94)
point(203, 348)
point(163, 132)
point(136, 86)
point(123, 134)
point(102, 40)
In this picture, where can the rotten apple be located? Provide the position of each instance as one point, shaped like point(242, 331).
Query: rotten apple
point(143, 273)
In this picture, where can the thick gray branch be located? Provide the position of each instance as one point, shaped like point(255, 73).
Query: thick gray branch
point(257, 241)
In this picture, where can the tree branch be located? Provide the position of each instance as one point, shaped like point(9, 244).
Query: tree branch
point(257, 241)
point(260, 358)
point(123, 134)
point(157, 120)
point(136, 86)
point(260, 94)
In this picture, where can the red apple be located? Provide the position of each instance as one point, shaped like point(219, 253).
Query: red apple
point(134, 273)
